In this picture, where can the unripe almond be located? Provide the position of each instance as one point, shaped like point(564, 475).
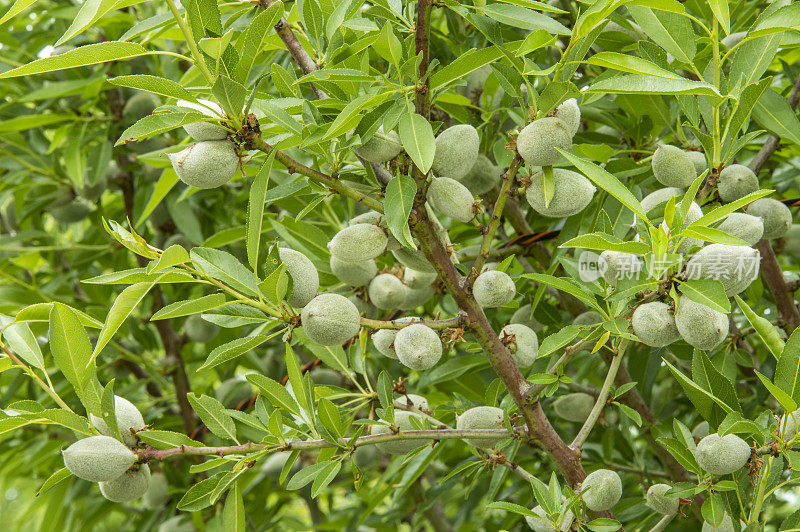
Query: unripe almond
point(602, 489)
point(203, 130)
point(483, 176)
point(358, 243)
point(525, 345)
point(725, 526)
point(98, 458)
point(127, 487)
point(416, 279)
point(157, 494)
point(590, 317)
point(699, 161)
point(660, 503)
point(776, 216)
point(654, 324)
point(736, 181)
point(572, 192)
point(700, 431)
point(330, 319)
point(416, 297)
point(524, 317)
point(381, 147)
point(700, 326)
point(386, 291)
point(574, 407)
point(451, 198)
point(493, 289)
point(745, 226)
point(736, 267)
point(179, 523)
point(537, 142)
point(722, 455)
point(570, 113)
point(456, 151)
point(616, 265)
point(414, 402)
point(789, 425)
point(383, 339)
point(128, 418)
point(369, 217)
point(481, 417)
point(402, 420)
point(672, 167)
point(207, 164)
point(305, 279)
point(418, 347)
point(354, 273)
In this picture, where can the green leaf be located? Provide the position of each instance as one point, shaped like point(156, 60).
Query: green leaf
point(724, 210)
point(671, 31)
point(255, 210)
point(521, 17)
point(769, 335)
point(630, 413)
point(630, 64)
point(753, 58)
point(306, 475)
point(511, 507)
point(388, 46)
point(69, 345)
point(213, 414)
point(255, 38)
point(464, 65)
point(559, 339)
point(21, 340)
point(702, 399)
point(417, 138)
point(24, 123)
point(122, 307)
point(325, 477)
point(224, 267)
point(603, 242)
point(40, 312)
point(231, 350)
point(233, 518)
point(603, 524)
point(708, 377)
point(708, 292)
point(203, 15)
point(18, 7)
point(787, 371)
point(772, 111)
point(328, 414)
point(156, 85)
point(165, 439)
point(231, 95)
point(90, 54)
point(600, 177)
point(156, 124)
point(783, 398)
point(397, 204)
point(750, 95)
point(564, 284)
point(548, 185)
point(721, 13)
point(712, 234)
point(52, 480)
point(199, 495)
point(90, 12)
point(641, 84)
point(713, 509)
point(277, 394)
point(172, 256)
point(313, 18)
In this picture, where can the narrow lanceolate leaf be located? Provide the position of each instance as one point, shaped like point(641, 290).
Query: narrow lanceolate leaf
point(259, 31)
point(203, 15)
point(190, 306)
point(722, 14)
point(463, 65)
point(17, 8)
point(705, 374)
point(224, 267)
point(769, 335)
point(199, 495)
point(787, 372)
point(630, 64)
point(90, 12)
point(52, 480)
point(277, 394)
point(603, 242)
point(548, 185)
point(172, 256)
point(213, 414)
point(69, 345)
point(397, 205)
point(156, 85)
point(21, 340)
point(417, 138)
point(671, 31)
point(156, 124)
point(230, 94)
point(90, 54)
point(784, 399)
point(708, 292)
point(233, 513)
point(165, 439)
point(128, 300)
point(641, 84)
point(231, 350)
point(701, 398)
point(565, 285)
point(255, 211)
point(603, 179)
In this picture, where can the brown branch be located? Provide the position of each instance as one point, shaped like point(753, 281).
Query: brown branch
point(773, 277)
point(301, 57)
